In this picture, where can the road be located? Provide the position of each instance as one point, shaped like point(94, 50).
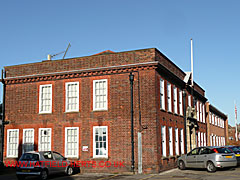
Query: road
point(226, 174)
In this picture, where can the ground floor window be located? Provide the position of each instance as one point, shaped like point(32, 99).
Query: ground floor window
point(100, 141)
point(182, 141)
point(12, 142)
point(163, 133)
point(176, 142)
point(71, 141)
point(28, 140)
point(170, 141)
point(44, 142)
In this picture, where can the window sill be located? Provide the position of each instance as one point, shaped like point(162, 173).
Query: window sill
point(68, 112)
point(42, 113)
point(100, 110)
point(162, 110)
point(100, 158)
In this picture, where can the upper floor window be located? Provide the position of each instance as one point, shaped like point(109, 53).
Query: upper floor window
point(200, 111)
point(100, 95)
point(175, 99)
point(203, 110)
point(197, 110)
point(12, 142)
point(210, 118)
point(45, 98)
point(72, 96)
point(162, 94)
point(180, 102)
point(169, 97)
point(189, 100)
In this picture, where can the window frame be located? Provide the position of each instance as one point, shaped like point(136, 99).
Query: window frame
point(24, 130)
point(176, 142)
point(94, 142)
point(39, 136)
point(169, 97)
point(170, 140)
point(10, 155)
point(180, 102)
point(162, 94)
point(94, 95)
point(66, 145)
point(40, 99)
point(66, 97)
point(175, 106)
point(163, 141)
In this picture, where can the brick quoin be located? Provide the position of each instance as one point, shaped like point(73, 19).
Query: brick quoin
point(147, 65)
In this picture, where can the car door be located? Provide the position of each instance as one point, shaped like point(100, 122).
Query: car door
point(191, 158)
point(202, 157)
point(48, 161)
point(61, 164)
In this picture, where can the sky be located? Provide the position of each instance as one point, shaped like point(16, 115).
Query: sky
point(30, 30)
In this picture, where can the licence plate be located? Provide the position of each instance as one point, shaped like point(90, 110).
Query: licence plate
point(237, 155)
point(228, 156)
point(25, 170)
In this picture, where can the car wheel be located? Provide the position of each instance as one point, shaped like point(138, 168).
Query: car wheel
point(43, 175)
point(211, 167)
point(181, 165)
point(20, 177)
point(69, 171)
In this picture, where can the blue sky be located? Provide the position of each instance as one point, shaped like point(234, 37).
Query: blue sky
point(29, 30)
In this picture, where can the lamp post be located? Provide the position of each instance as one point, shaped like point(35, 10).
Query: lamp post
point(131, 79)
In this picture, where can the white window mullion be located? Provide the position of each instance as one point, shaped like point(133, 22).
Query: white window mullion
point(45, 98)
point(100, 141)
point(170, 141)
point(44, 139)
point(71, 142)
point(163, 133)
point(12, 143)
point(180, 102)
point(100, 94)
point(175, 99)
point(162, 95)
point(28, 140)
point(169, 97)
point(182, 141)
point(176, 142)
point(72, 96)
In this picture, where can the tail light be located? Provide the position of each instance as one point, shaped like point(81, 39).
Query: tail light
point(215, 150)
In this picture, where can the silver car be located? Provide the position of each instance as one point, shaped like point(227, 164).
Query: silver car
point(42, 164)
point(208, 157)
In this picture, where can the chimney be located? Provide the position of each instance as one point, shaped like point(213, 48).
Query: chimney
point(49, 57)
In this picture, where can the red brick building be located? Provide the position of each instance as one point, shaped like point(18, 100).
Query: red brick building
point(217, 125)
point(81, 108)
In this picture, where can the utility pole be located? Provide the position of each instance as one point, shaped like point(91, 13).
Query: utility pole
point(131, 79)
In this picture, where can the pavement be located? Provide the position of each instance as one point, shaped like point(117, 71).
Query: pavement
point(175, 174)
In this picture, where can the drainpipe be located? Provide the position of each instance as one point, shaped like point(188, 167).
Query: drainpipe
point(131, 78)
point(185, 121)
point(3, 113)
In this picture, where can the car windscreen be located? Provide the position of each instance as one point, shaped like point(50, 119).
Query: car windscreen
point(235, 149)
point(223, 150)
point(29, 157)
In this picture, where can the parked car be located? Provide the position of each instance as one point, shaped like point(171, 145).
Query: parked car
point(236, 151)
point(42, 164)
point(208, 157)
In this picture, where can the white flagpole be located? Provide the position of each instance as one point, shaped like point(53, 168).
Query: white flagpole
point(192, 61)
point(236, 122)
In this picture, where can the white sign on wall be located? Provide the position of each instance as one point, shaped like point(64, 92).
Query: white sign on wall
point(85, 148)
